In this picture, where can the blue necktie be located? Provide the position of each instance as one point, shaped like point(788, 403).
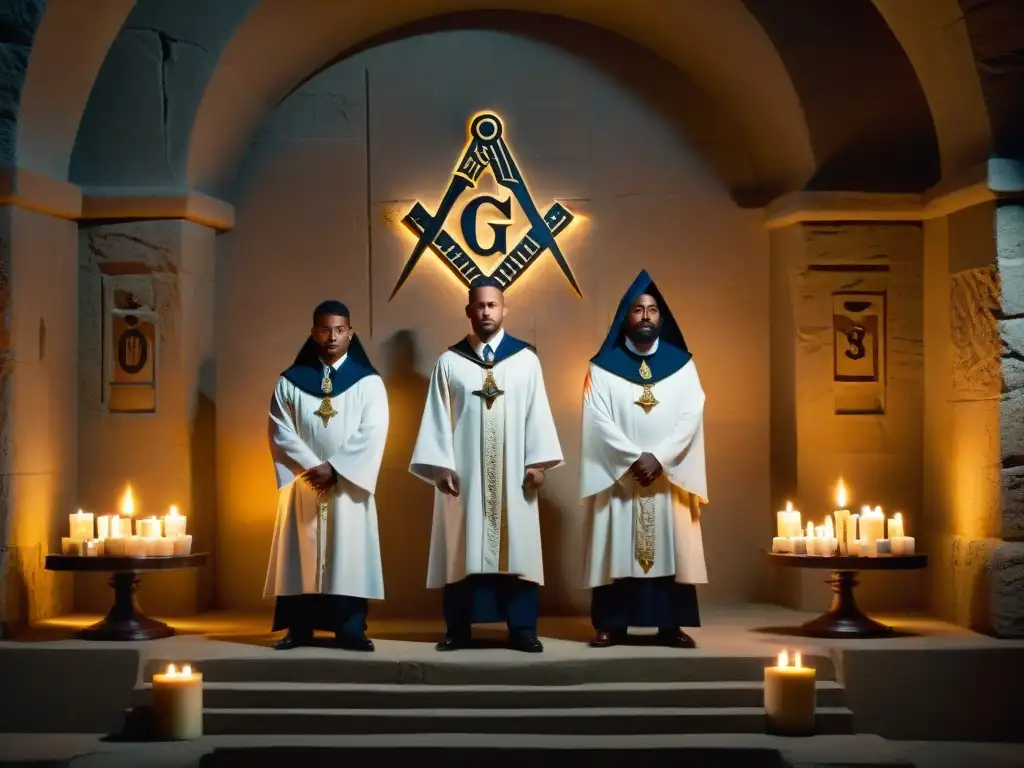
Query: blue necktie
point(488, 354)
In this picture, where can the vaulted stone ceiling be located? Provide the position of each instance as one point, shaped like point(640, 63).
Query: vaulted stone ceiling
point(850, 94)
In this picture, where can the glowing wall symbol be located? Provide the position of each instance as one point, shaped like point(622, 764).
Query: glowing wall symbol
point(485, 150)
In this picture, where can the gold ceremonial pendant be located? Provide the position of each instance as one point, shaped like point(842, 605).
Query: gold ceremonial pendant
point(647, 400)
point(326, 409)
point(489, 392)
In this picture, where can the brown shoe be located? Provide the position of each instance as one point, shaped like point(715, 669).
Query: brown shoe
point(676, 639)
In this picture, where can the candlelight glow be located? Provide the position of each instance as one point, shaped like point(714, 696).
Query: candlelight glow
point(173, 511)
point(841, 494)
point(810, 530)
point(784, 659)
point(796, 660)
point(829, 530)
point(789, 506)
point(128, 502)
point(172, 671)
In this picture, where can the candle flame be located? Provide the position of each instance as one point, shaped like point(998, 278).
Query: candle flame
point(171, 669)
point(186, 671)
point(128, 502)
point(796, 660)
point(841, 494)
point(878, 511)
point(784, 658)
point(898, 516)
point(173, 511)
point(810, 530)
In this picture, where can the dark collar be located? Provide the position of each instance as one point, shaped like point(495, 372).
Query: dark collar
point(662, 363)
point(307, 372)
point(509, 346)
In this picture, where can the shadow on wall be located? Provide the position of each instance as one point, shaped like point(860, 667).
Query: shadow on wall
point(203, 520)
point(404, 503)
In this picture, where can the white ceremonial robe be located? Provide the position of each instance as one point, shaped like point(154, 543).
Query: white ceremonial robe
point(615, 432)
point(488, 449)
point(353, 443)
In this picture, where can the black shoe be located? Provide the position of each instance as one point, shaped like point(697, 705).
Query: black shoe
point(675, 638)
point(452, 643)
point(290, 641)
point(526, 642)
point(350, 643)
point(603, 639)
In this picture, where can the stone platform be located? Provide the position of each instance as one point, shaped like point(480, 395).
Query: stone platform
point(930, 681)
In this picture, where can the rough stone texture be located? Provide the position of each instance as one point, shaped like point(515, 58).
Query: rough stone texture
point(18, 24)
point(1006, 566)
point(1013, 503)
point(166, 455)
point(973, 301)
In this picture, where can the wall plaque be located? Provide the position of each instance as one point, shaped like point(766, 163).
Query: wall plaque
point(131, 340)
point(487, 150)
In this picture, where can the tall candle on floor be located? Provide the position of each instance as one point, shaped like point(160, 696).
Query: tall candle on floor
point(178, 704)
point(80, 526)
point(787, 522)
point(174, 523)
point(842, 516)
point(789, 697)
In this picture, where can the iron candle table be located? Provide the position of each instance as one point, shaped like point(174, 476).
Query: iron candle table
point(125, 621)
point(844, 619)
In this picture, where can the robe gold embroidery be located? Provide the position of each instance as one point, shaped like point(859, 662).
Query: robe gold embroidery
point(326, 410)
point(647, 400)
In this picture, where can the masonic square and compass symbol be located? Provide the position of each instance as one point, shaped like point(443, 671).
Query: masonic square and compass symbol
point(487, 150)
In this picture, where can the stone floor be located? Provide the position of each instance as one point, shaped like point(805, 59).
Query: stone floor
point(90, 751)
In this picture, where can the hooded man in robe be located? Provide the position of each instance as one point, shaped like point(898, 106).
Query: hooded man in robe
point(328, 426)
point(642, 475)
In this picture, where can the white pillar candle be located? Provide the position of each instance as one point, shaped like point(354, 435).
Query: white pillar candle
point(799, 545)
point(872, 524)
point(103, 526)
point(896, 526)
point(787, 522)
point(183, 545)
point(136, 546)
point(883, 547)
point(903, 545)
point(161, 547)
point(789, 697)
point(869, 547)
point(829, 546)
point(782, 545)
point(148, 528)
point(92, 548)
point(80, 526)
point(174, 523)
point(178, 704)
point(851, 536)
point(116, 546)
point(72, 547)
point(842, 517)
point(118, 527)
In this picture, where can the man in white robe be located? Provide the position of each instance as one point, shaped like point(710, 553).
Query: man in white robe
point(643, 476)
point(328, 426)
point(486, 438)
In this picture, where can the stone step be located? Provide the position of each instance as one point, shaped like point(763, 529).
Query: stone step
point(338, 696)
point(317, 666)
point(588, 721)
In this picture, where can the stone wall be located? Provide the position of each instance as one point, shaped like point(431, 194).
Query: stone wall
point(868, 433)
point(38, 414)
point(164, 447)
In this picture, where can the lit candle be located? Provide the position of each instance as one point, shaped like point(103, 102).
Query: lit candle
point(782, 545)
point(789, 697)
point(115, 546)
point(811, 541)
point(872, 524)
point(72, 547)
point(161, 547)
point(896, 526)
point(178, 704)
point(902, 545)
point(852, 547)
point(122, 526)
point(183, 544)
point(149, 528)
point(174, 523)
point(842, 516)
point(103, 526)
point(829, 543)
point(81, 526)
point(136, 546)
point(787, 522)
